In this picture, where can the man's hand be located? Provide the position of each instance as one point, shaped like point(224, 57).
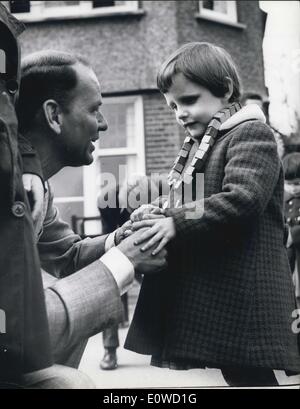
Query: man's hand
point(144, 210)
point(160, 230)
point(143, 262)
point(34, 186)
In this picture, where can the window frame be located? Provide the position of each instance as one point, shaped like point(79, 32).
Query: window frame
point(230, 17)
point(38, 11)
point(91, 173)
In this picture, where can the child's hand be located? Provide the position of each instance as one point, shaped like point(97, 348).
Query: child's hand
point(144, 210)
point(34, 186)
point(122, 232)
point(160, 231)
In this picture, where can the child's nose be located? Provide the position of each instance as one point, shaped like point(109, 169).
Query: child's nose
point(182, 113)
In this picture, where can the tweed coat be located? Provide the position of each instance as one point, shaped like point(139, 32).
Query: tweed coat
point(226, 297)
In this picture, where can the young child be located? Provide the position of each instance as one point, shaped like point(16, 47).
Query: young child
point(291, 167)
point(226, 298)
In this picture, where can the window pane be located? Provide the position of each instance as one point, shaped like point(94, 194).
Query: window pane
point(219, 6)
point(101, 3)
point(61, 3)
point(120, 118)
point(20, 6)
point(208, 4)
point(68, 182)
point(67, 210)
point(108, 3)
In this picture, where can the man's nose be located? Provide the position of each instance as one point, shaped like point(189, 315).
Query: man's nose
point(102, 124)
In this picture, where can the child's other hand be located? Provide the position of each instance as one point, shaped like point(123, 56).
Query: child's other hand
point(34, 186)
point(143, 210)
point(160, 231)
point(122, 232)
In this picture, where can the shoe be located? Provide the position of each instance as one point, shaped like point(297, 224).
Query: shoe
point(109, 360)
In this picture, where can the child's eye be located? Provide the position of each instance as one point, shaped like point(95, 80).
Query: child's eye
point(190, 100)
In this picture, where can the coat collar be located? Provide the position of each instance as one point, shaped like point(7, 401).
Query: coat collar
point(247, 113)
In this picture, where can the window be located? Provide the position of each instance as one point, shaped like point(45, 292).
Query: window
point(68, 192)
point(223, 11)
point(45, 10)
point(120, 152)
point(21, 6)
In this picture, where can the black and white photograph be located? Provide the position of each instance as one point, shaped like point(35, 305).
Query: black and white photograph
point(149, 197)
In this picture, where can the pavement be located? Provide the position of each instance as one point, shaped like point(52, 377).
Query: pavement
point(134, 370)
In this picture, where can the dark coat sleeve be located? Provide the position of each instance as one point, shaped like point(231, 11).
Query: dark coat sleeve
point(30, 158)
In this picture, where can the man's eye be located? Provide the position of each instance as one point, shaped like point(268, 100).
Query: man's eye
point(173, 107)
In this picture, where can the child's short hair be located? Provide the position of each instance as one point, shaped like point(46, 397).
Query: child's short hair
point(291, 166)
point(206, 64)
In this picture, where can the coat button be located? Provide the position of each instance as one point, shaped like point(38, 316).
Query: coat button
point(290, 202)
point(288, 219)
point(18, 209)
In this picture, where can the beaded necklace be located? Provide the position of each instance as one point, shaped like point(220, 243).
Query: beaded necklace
point(175, 177)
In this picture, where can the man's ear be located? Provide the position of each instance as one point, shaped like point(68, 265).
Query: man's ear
point(229, 93)
point(53, 115)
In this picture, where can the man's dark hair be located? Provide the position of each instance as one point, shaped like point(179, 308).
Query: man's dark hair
point(45, 75)
point(291, 166)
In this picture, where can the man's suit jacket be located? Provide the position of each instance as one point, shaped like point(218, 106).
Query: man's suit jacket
point(80, 306)
point(226, 297)
point(81, 294)
point(82, 297)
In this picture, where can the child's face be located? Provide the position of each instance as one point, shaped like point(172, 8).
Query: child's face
point(194, 105)
point(292, 186)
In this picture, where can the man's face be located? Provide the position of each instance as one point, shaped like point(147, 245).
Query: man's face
point(83, 121)
point(193, 105)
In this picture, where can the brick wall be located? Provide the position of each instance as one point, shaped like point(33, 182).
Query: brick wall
point(162, 135)
point(244, 44)
point(127, 51)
